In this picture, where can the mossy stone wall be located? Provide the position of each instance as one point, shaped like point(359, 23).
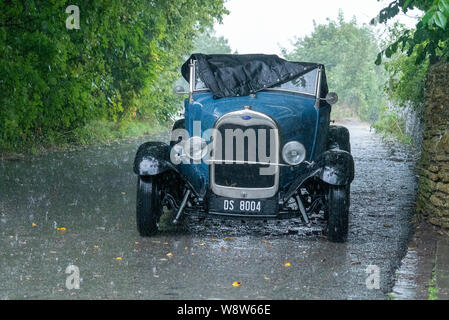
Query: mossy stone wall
point(433, 191)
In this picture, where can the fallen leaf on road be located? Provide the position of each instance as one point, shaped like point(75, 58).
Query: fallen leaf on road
point(236, 284)
point(61, 230)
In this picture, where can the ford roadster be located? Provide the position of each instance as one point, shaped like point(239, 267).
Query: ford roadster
point(255, 142)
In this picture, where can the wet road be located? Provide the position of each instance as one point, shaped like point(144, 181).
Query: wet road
point(91, 193)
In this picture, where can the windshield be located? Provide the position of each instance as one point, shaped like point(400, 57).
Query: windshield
point(305, 84)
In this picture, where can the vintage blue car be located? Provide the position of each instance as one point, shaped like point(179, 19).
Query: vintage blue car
point(256, 142)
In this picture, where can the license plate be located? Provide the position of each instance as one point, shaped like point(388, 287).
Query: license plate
point(243, 206)
point(252, 206)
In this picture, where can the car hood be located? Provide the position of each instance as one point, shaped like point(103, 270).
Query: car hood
point(295, 114)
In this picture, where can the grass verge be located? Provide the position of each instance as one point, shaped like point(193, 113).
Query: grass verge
point(433, 290)
point(96, 132)
point(391, 125)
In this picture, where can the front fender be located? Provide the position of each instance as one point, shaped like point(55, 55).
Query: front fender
point(152, 158)
point(337, 167)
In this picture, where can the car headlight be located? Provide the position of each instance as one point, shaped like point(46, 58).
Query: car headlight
point(294, 153)
point(195, 148)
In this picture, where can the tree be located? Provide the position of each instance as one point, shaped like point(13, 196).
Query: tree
point(208, 43)
point(120, 62)
point(346, 50)
point(430, 37)
point(406, 79)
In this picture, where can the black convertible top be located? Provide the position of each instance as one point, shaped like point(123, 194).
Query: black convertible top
point(233, 75)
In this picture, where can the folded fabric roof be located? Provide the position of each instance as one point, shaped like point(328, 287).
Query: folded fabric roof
point(233, 75)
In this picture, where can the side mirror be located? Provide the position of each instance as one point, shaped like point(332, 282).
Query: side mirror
point(179, 90)
point(331, 98)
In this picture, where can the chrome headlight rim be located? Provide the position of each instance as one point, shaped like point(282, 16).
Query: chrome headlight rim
point(189, 151)
point(296, 146)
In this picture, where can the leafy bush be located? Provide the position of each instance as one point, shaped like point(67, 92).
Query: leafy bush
point(119, 65)
point(391, 124)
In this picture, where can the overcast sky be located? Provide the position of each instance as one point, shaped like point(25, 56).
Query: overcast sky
point(261, 26)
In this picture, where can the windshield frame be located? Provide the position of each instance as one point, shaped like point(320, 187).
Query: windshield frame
point(193, 89)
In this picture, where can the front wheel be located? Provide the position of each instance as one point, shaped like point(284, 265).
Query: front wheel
point(338, 213)
point(148, 205)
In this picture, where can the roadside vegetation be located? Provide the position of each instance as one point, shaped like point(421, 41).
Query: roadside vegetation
point(348, 51)
point(112, 77)
point(407, 54)
point(433, 289)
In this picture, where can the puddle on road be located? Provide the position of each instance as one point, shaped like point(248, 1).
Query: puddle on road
point(405, 286)
point(294, 227)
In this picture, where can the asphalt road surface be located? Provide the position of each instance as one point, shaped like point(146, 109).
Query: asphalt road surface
point(78, 208)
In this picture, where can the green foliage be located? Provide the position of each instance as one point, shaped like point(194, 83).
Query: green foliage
point(206, 42)
point(392, 125)
point(347, 51)
point(102, 131)
point(433, 289)
point(429, 40)
point(119, 65)
point(406, 79)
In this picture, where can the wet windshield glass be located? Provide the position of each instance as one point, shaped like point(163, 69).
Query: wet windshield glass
point(304, 84)
point(199, 84)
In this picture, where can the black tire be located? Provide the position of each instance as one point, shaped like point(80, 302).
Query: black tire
point(148, 206)
point(179, 124)
point(338, 138)
point(338, 213)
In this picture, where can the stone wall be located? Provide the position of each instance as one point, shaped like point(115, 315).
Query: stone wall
point(433, 192)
